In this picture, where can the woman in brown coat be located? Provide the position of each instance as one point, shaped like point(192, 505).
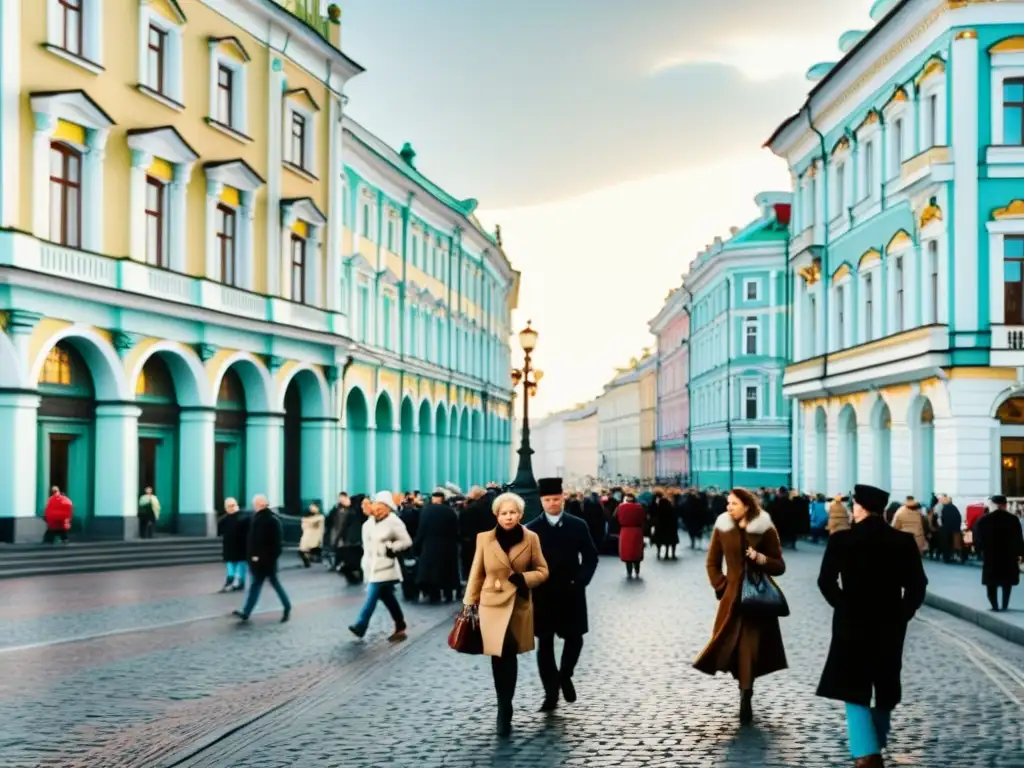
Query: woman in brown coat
point(745, 646)
point(508, 563)
point(909, 519)
point(838, 516)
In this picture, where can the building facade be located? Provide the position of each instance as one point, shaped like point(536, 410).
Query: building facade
point(214, 284)
point(907, 161)
point(648, 418)
point(547, 438)
point(618, 419)
point(581, 446)
point(671, 329)
point(739, 420)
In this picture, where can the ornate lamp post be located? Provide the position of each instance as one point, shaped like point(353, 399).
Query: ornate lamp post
point(525, 484)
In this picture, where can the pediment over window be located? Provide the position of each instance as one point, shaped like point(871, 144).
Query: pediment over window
point(387, 277)
point(303, 98)
point(869, 120)
point(74, 106)
point(164, 142)
point(169, 9)
point(234, 173)
point(359, 263)
point(231, 47)
point(302, 208)
point(841, 146)
point(935, 67)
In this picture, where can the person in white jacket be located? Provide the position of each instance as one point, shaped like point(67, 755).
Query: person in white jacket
point(384, 535)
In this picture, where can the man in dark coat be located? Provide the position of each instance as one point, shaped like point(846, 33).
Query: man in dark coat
point(474, 518)
point(593, 515)
point(950, 527)
point(872, 577)
point(265, 546)
point(560, 603)
point(999, 539)
point(233, 529)
point(350, 541)
point(436, 547)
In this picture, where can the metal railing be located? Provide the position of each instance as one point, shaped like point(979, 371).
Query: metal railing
point(308, 12)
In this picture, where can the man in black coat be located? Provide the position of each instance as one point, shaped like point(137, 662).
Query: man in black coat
point(560, 603)
point(265, 546)
point(593, 515)
point(474, 518)
point(999, 539)
point(436, 547)
point(872, 577)
point(233, 529)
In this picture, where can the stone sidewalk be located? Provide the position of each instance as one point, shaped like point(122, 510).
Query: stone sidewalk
point(957, 589)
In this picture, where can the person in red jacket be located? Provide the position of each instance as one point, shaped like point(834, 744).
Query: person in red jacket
point(57, 516)
point(631, 517)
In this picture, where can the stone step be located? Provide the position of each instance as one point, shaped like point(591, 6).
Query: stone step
point(113, 550)
point(27, 570)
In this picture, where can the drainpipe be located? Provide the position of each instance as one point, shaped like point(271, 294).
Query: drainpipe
point(691, 477)
point(787, 349)
point(728, 374)
point(824, 246)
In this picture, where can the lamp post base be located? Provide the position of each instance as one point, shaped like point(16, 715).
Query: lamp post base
point(525, 485)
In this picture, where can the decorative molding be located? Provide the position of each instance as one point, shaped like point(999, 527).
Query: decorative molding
point(900, 241)
point(839, 274)
point(205, 351)
point(19, 322)
point(331, 373)
point(273, 362)
point(935, 66)
point(1015, 210)
point(811, 273)
point(1009, 45)
point(931, 213)
point(967, 34)
point(123, 341)
point(870, 258)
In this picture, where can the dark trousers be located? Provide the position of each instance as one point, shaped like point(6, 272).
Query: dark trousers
point(633, 567)
point(992, 594)
point(258, 577)
point(505, 669)
point(434, 594)
point(51, 534)
point(552, 674)
point(147, 522)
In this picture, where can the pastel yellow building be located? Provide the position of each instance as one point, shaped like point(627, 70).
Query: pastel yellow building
point(182, 292)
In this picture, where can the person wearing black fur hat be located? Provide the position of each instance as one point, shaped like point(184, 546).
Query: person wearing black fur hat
point(872, 577)
point(560, 603)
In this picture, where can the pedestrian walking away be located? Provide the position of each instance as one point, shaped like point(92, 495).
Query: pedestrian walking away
point(873, 578)
point(57, 516)
point(265, 546)
point(508, 562)
point(436, 547)
point(560, 604)
point(630, 516)
point(311, 542)
point(999, 539)
point(749, 647)
point(350, 539)
point(233, 529)
point(384, 536)
point(149, 513)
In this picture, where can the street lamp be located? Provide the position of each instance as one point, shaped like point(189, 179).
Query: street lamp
point(525, 484)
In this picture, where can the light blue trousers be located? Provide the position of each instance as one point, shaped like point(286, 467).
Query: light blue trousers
point(236, 571)
point(868, 730)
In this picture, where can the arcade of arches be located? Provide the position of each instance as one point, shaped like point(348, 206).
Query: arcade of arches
point(102, 430)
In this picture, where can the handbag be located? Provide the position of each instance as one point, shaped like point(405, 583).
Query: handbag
point(465, 636)
point(760, 596)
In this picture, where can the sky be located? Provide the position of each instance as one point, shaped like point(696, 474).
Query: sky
point(611, 140)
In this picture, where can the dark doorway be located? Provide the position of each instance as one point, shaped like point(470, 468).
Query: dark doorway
point(219, 485)
point(147, 462)
point(293, 449)
point(59, 454)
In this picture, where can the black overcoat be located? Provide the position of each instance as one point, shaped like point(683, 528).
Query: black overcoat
point(437, 547)
point(999, 538)
point(475, 518)
point(560, 603)
point(265, 542)
point(883, 585)
point(593, 515)
point(234, 537)
point(666, 523)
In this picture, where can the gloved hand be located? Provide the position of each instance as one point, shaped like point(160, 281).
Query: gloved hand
point(518, 580)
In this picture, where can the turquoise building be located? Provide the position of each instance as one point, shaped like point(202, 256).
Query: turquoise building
point(736, 290)
point(907, 255)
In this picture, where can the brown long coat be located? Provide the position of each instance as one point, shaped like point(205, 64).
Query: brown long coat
point(501, 609)
point(746, 647)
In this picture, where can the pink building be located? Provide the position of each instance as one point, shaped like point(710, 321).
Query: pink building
point(671, 327)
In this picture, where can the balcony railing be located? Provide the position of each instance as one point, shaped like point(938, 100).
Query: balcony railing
point(308, 12)
point(24, 252)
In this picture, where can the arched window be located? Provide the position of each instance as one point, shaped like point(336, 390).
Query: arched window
point(57, 368)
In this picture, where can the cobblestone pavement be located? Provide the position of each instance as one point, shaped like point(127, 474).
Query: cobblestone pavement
point(209, 693)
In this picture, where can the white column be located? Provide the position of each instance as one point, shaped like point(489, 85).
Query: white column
point(317, 437)
point(902, 470)
point(335, 167)
point(912, 287)
point(810, 453)
point(18, 456)
point(263, 442)
point(117, 470)
point(178, 200)
point(964, 140)
point(214, 189)
point(196, 510)
point(819, 320)
point(866, 451)
point(371, 460)
point(93, 208)
point(314, 295)
point(10, 104)
point(246, 248)
point(799, 299)
point(832, 444)
point(137, 205)
point(45, 127)
point(275, 118)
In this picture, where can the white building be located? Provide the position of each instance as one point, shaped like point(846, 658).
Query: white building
point(547, 438)
point(581, 446)
point(618, 419)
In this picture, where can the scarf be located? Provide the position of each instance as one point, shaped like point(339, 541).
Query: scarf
point(508, 539)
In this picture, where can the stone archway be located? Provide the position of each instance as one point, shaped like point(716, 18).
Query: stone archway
point(306, 448)
point(385, 446)
point(848, 454)
point(357, 443)
point(408, 460)
point(1011, 445)
point(427, 469)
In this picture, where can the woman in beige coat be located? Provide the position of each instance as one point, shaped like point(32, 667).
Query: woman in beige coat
point(838, 516)
point(909, 519)
point(312, 541)
point(508, 563)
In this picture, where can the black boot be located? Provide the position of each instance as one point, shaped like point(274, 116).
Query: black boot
point(746, 707)
point(504, 718)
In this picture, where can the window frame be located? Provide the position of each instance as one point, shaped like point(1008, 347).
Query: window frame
point(75, 8)
point(932, 253)
point(297, 118)
point(899, 290)
point(749, 283)
point(297, 241)
point(747, 456)
point(1004, 67)
point(750, 324)
point(160, 215)
point(869, 305)
point(308, 165)
point(228, 90)
point(1019, 260)
point(748, 402)
point(225, 212)
point(1017, 105)
point(67, 153)
point(160, 51)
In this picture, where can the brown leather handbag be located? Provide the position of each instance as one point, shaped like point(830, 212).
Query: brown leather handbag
point(465, 636)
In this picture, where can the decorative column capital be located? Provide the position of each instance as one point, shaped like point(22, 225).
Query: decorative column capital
point(19, 322)
point(205, 351)
point(273, 362)
point(97, 140)
point(123, 341)
point(331, 373)
point(45, 123)
point(214, 188)
point(183, 173)
point(141, 159)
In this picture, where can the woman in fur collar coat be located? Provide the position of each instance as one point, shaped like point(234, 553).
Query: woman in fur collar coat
point(747, 647)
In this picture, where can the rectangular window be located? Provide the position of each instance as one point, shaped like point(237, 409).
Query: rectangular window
point(225, 95)
point(840, 317)
point(415, 251)
point(750, 336)
point(298, 269)
point(869, 308)
point(869, 169)
point(226, 245)
point(1013, 111)
point(1013, 280)
point(386, 322)
point(366, 220)
point(897, 146)
point(812, 325)
point(812, 200)
point(71, 18)
point(899, 293)
point(750, 402)
point(157, 56)
point(391, 235)
point(156, 222)
point(751, 457)
point(364, 313)
point(932, 138)
point(933, 278)
point(751, 290)
point(65, 195)
point(840, 189)
point(298, 140)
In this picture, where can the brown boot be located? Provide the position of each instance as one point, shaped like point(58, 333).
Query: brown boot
point(871, 761)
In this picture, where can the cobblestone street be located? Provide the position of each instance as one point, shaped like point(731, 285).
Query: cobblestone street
point(170, 690)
